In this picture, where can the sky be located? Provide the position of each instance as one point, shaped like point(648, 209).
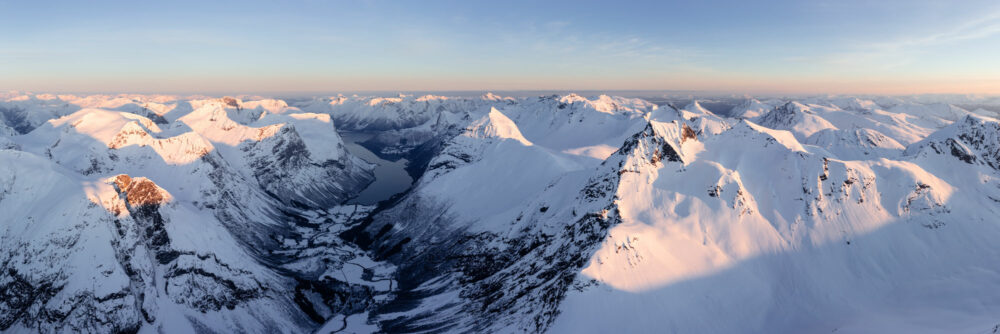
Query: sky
point(254, 47)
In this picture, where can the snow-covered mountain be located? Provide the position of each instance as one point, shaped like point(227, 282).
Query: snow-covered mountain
point(559, 213)
point(171, 226)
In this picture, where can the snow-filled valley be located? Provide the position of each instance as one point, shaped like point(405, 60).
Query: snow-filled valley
point(555, 213)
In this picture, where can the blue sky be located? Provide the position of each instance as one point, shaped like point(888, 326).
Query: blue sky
point(896, 47)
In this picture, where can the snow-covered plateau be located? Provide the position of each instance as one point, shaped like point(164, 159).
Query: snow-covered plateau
point(557, 213)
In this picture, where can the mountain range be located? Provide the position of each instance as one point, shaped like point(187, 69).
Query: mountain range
point(554, 213)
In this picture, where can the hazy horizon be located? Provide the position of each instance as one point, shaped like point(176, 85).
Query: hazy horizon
point(691, 94)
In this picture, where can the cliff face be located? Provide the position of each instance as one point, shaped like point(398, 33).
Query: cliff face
point(119, 222)
point(140, 191)
point(552, 213)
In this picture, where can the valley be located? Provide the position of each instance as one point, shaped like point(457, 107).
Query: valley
point(489, 213)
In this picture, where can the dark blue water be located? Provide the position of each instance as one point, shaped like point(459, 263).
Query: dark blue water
point(390, 176)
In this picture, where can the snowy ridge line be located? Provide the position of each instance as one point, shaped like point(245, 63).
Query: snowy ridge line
point(555, 213)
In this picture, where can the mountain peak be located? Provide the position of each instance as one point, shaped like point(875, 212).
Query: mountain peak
point(489, 96)
point(973, 139)
point(139, 191)
point(232, 102)
point(797, 118)
point(783, 137)
point(855, 143)
point(496, 125)
point(657, 143)
point(749, 108)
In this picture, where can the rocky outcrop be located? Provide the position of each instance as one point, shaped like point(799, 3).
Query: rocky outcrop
point(512, 281)
point(286, 169)
point(140, 191)
point(972, 139)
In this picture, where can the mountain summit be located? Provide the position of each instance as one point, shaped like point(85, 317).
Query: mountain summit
point(554, 213)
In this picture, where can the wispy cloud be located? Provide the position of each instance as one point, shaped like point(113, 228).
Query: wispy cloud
point(904, 50)
point(557, 43)
point(982, 27)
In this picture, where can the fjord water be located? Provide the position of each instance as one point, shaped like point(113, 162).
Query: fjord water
point(390, 176)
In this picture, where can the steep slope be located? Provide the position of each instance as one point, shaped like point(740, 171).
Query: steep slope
point(854, 104)
point(305, 172)
point(94, 140)
point(588, 127)
point(675, 215)
point(972, 139)
point(25, 113)
point(132, 255)
point(693, 239)
point(509, 268)
point(5, 129)
point(856, 144)
point(186, 234)
point(558, 213)
point(750, 108)
point(696, 117)
point(496, 125)
point(933, 114)
point(385, 113)
point(795, 117)
point(48, 265)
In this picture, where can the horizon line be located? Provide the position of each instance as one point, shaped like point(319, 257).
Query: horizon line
point(466, 92)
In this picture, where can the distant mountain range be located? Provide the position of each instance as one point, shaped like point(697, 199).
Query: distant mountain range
point(554, 213)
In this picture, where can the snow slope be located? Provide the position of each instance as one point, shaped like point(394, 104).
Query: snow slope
point(557, 213)
point(121, 223)
point(698, 223)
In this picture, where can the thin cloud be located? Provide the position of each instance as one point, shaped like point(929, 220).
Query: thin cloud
point(568, 48)
point(983, 27)
point(904, 51)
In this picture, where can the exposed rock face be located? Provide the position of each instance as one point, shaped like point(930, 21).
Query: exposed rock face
point(652, 145)
point(119, 252)
point(140, 191)
point(783, 116)
point(47, 278)
point(284, 166)
point(972, 139)
point(232, 102)
point(749, 108)
point(796, 117)
point(688, 133)
point(552, 213)
point(523, 280)
point(517, 280)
